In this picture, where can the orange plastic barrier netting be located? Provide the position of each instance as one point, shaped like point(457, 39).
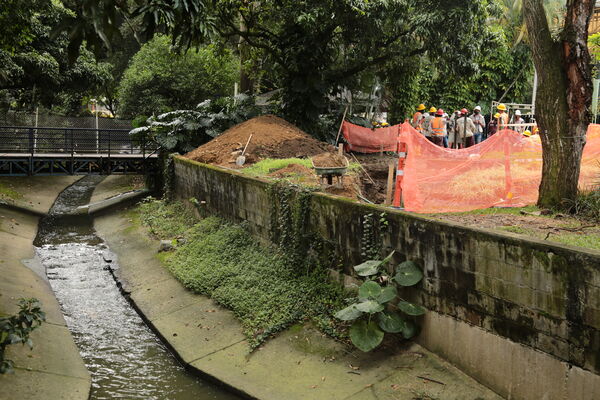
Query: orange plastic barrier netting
point(365, 140)
point(504, 170)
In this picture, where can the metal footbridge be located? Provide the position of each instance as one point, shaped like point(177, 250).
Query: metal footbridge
point(74, 151)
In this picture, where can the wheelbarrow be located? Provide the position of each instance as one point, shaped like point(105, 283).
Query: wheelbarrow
point(326, 174)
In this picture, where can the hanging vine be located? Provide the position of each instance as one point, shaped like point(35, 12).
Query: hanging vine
point(374, 228)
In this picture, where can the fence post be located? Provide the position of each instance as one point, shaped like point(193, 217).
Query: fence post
point(400, 175)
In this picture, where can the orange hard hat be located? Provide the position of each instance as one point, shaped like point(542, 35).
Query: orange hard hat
point(464, 111)
point(439, 112)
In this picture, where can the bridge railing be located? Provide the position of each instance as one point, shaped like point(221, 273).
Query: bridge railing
point(73, 141)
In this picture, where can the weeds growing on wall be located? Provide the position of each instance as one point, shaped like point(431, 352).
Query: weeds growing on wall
point(374, 227)
point(290, 214)
point(259, 284)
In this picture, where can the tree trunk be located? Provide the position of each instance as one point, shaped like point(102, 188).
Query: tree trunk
point(246, 83)
point(563, 99)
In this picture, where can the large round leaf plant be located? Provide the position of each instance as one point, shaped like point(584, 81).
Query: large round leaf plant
point(371, 311)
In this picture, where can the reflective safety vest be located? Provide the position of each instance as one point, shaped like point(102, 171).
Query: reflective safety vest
point(437, 126)
point(416, 120)
point(503, 121)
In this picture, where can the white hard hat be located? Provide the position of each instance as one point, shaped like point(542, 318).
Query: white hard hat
point(518, 112)
point(478, 108)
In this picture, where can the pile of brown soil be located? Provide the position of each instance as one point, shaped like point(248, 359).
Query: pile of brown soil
point(293, 170)
point(331, 160)
point(272, 137)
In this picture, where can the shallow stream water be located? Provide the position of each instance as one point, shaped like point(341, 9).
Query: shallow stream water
point(125, 358)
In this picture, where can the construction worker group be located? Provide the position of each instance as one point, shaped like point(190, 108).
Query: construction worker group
point(460, 129)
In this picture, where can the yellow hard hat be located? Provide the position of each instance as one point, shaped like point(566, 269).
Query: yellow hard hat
point(527, 133)
point(421, 107)
point(501, 107)
point(497, 115)
point(432, 109)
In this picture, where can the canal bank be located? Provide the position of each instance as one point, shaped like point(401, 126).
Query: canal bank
point(54, 368)
point(300, 363)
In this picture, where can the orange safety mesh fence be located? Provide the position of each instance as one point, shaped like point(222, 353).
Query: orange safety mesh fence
point(504, 170)
point(366, 140)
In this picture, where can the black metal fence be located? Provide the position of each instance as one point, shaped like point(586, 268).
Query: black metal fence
point(71, 141)
point(21, 118)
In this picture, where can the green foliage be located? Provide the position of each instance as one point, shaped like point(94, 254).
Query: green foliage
point(159, 80)
point(17, 328)
point(373, 228)
point(259, 284)
point(8, 192)
point(587, 205)
point(184, 130)
point(36, 72)
point(165, 221)
point(371, 312)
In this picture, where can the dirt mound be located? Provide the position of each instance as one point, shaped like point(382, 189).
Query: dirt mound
point(272, 137)
point(329, 160)
point(291, 170)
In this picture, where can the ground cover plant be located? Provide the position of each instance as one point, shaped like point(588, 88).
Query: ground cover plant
point(259, 284)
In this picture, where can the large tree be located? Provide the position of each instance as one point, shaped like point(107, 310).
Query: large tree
point(564, 96)
point(316, 47)
point(160, 80)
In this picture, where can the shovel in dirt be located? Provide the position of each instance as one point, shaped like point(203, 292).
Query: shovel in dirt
point(242, 158)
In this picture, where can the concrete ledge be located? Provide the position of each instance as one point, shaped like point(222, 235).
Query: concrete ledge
point(54, 368)
point(300, 363)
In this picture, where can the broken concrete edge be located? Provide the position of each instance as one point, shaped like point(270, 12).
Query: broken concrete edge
point(166, 341)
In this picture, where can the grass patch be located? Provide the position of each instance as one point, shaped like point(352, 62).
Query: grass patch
point(590, 241)
point(587, 205)
point(258, 283)
point(7, 192)
point(515, 229)
point(165, 221)
point(492, 211)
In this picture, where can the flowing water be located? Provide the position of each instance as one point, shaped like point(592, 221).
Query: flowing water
point(125, 358)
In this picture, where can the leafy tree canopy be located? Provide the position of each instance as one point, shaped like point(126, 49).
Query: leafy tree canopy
point(37, 72)
point(159, 80)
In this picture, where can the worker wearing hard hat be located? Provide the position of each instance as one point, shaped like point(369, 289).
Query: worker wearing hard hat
point(437, 128)
point(493, 125)
point(479, 121)
point(465, 129)
point(426, 121)
point(417, 117)
point(518, 120)
point(503, 119)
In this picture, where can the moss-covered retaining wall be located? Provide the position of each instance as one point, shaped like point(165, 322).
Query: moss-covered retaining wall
point(541, 295)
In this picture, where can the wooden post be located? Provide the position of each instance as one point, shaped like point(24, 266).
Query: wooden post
point(399, 176)
point(341, 149)
point(390, 184)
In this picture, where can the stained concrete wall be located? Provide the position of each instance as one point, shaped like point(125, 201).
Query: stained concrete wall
point(523, 316)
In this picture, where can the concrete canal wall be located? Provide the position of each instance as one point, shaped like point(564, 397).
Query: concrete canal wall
point(53, 369)
point(521, 316)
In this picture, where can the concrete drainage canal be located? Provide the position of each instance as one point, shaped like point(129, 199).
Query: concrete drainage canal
point(124, 357)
